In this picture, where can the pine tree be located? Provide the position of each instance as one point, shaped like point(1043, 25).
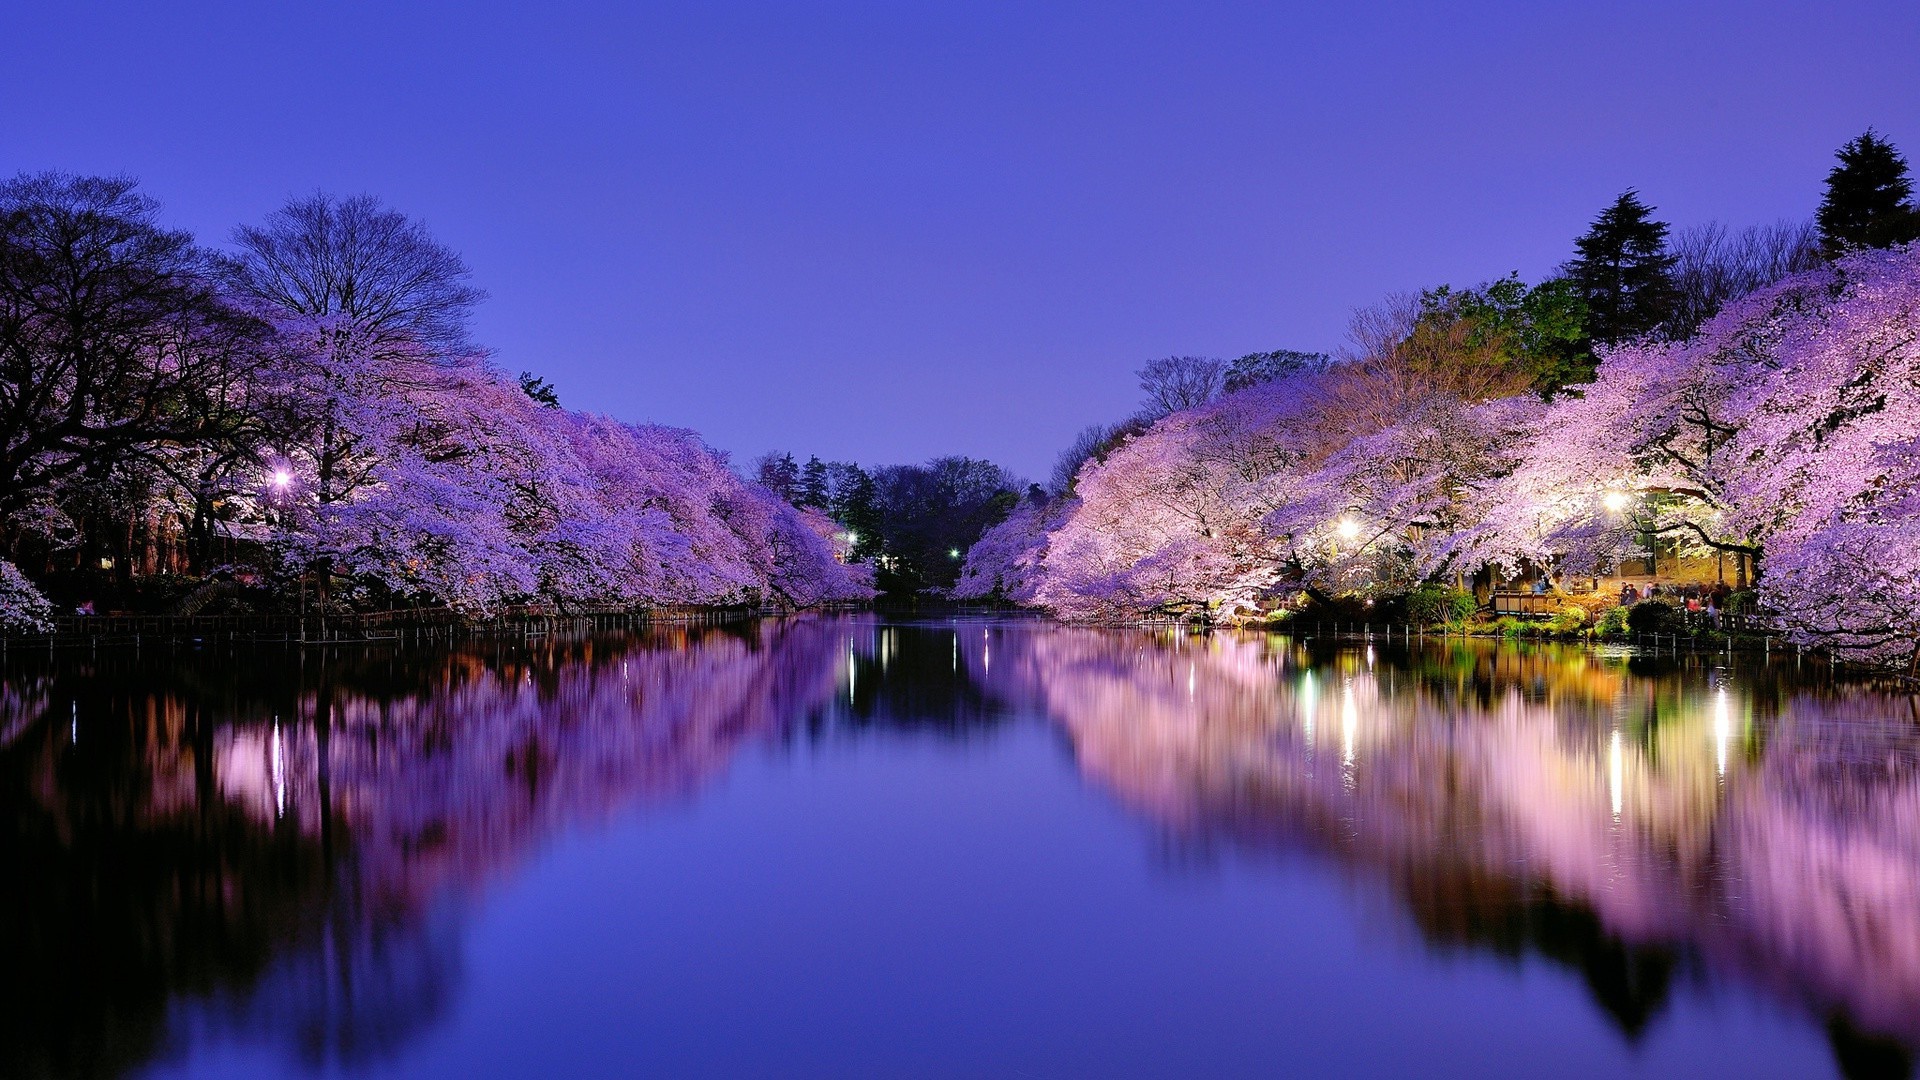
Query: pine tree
point(1624, 272)
point(1869, 201)
point(814, 491)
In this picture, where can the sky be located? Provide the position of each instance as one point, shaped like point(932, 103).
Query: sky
point(888, 231)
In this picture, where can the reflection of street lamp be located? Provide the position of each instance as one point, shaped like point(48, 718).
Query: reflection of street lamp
point(279, 487)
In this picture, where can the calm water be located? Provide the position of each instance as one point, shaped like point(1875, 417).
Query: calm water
point(853, 848)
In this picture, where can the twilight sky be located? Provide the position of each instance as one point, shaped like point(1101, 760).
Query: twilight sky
point(892, 230)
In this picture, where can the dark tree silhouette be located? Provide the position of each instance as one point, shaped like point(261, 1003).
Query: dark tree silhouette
point(539, 389)
point(1623, 271)
point(1869, 198)
point(114, 342)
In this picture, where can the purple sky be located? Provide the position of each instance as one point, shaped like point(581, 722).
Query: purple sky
point(888, 231)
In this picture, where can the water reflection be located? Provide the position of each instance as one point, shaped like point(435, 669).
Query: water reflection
point(1631, 819)
point(260, 847)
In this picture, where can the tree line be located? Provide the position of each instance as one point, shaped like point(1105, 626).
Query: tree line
point(1752, 397)
point(911, 523)
point(305, 414)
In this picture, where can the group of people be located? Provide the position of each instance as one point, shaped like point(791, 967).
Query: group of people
point(1706, 601)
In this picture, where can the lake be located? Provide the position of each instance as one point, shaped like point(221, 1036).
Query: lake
point(860, 847)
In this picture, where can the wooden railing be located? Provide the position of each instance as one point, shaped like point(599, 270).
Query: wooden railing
point(1506, 602)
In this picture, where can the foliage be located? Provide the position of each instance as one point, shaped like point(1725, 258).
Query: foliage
point(539, 389)
point(1571, 618)
point(780, 474)
point(813, 492)
point(1623, 271)
point(1780, 436)
point(23, 610)
point(320, 388)
point(116, 350)
point(928, 516)
point(1505, 324)
point(1264, 367)
point(1003, 565)
point(1612, 622)
point(912, 524)
point(1869, 198)
point(1654, 617)
point(1093, 443)
point(1430, 605)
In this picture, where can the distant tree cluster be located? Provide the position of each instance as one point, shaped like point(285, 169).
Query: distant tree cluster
point(912, 523)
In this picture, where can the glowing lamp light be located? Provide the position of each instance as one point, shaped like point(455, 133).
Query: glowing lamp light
point(1616, 501)
point(281, 478)
point(852, 537)
point(953, 553)
point(1347, 528)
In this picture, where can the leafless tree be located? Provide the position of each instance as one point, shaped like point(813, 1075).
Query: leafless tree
point(1376, 331)
point(1174, 383)
point(1713, 265)
point(357, 261)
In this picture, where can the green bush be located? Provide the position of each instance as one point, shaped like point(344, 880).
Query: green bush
point(1654, 617)
point(1568, 620)
point(1429, 605)
point(1612, 622)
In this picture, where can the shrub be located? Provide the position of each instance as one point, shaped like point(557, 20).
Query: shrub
point(1431, 604)
point(1654, 617)
point(23, 610)
point(1612, 621)
point(1568, 620)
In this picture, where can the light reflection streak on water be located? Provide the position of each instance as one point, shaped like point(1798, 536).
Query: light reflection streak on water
point(1309, 698)
point(1616, 775)
point(1722, 730)
point(1349, 723)
point(278, 755)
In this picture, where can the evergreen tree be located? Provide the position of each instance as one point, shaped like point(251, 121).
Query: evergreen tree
point(1503, 324)
point(1256, 368)
point(1623, 271)
point(1869, 201)
point(856, 505)
point(778, 474)
point(539, 390)
point(814, 492)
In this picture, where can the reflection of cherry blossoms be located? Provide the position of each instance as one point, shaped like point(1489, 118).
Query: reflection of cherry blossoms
point(1775, 835)
point(293, 843)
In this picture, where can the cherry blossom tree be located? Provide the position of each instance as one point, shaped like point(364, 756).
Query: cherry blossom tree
point(23, 610)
